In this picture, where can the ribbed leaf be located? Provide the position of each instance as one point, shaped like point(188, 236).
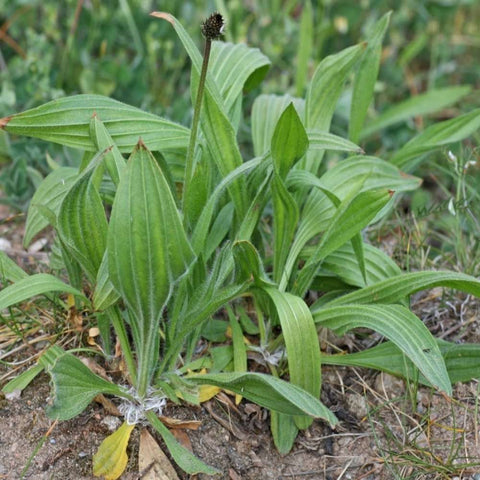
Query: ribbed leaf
point(432, 101)
point(9, 270)
point(114, 160)
point(23, 380)
point(33, 285)
point(200, 234)
point(462, 361)
point(326, 85)
point(82, 224)
point(220, 228)
point(67, 121)
point(284, 431)
point(379, 174)
point(184, 458)
point(366, 77)
point(435, 136)
point(323, 93)
point(327, 141)
point(239, 348)
point(301, 342)
point(75, 386)
point(233, 66)
point(269, 392)
point(250, 264)
point(343, 263)
point(105, 294)
point(285, 220)
point(398, 324)
point(266, 111)
point(49, 194)
point(394, 289)
point(289, 141)
point(304, 47)
point(147, 250)
point(350, 218)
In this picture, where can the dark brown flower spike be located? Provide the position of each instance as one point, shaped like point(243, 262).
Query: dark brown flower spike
point(213, 26)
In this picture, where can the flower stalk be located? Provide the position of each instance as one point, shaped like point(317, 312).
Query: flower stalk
point(212, 28)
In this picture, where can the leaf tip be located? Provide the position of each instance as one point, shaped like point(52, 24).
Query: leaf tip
point(4, 121)
point(141, 145)
point(166, 16)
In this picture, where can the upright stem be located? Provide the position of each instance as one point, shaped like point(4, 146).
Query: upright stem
point(190, 160)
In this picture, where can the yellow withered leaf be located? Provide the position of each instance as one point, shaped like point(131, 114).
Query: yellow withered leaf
point(206, 392)
point(111, 458)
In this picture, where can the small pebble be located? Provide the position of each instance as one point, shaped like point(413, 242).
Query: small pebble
point(53, 441)
point(5, 244)
point(15, 395)
point(82, 454)
point(111, 422)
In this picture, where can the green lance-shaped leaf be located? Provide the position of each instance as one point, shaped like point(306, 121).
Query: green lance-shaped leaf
point(435, 136)
point(304, 47)
point(67, 121)
point(395, 289)
point(147, 250)
point(75, 386)
point(378, 173)
point(343, 263)
point(82, 224)
point(239, 348)
point(319, 140)
point(114, 160)
point(235, 68)
point(462, 361)
point(23, 380)
point(323, 93)
point(326, 85)
point(266, 111)
point(9, 270)
point(432, 101)
point(352, 215)
point(366, 77)
point(105, 294)
point(398, 324)
point(201, 231)
point(250, 264)
point(184, 458)
point(49, 194)
point(269, 392)
point(38, 284)
point(284, 431)
point(289, 141)
point(285, 220)
point(301, 342)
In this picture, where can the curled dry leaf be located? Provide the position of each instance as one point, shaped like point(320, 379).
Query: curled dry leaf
point(177, 423)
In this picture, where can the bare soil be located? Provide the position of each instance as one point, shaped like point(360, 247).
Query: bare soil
point(387, 429)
